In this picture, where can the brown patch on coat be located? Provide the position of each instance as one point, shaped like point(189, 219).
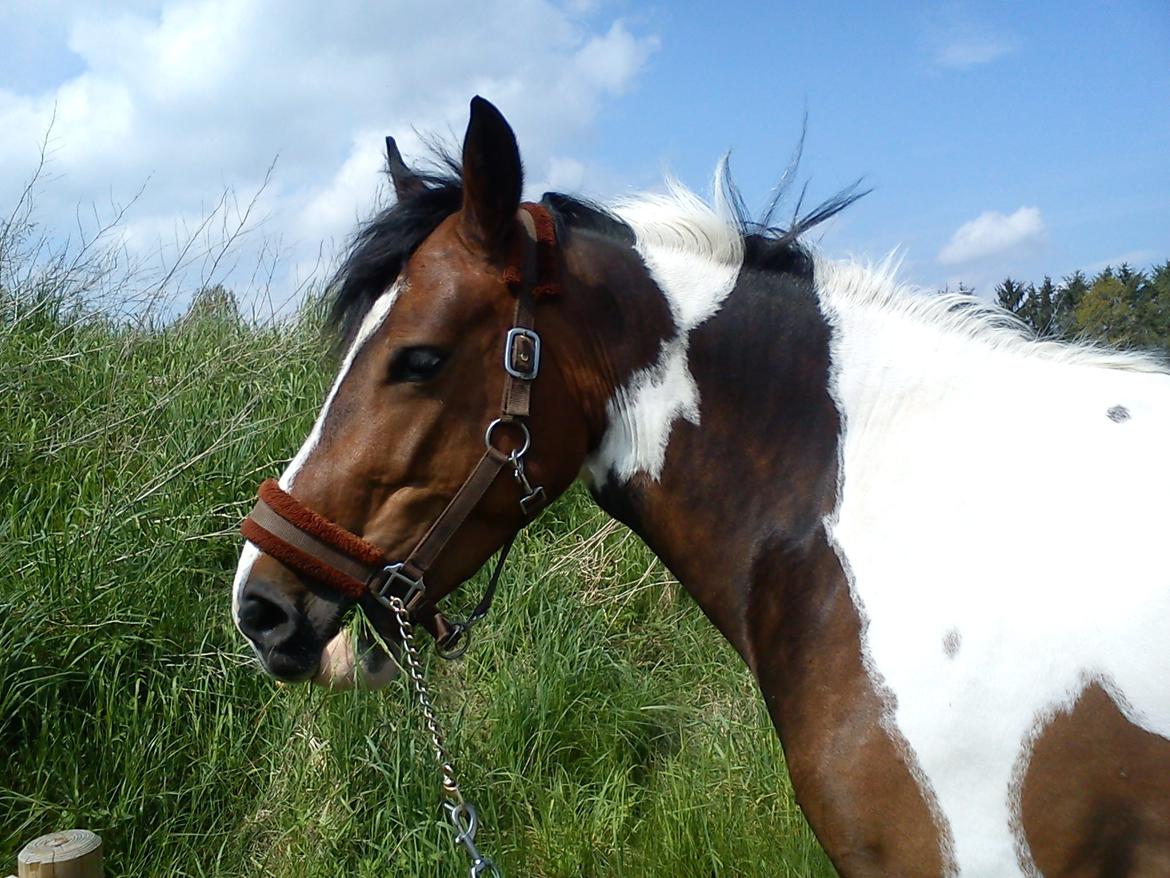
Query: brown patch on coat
point(1096, 795)
point(853, 775)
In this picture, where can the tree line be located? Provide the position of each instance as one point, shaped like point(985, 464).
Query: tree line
point(1118, 306)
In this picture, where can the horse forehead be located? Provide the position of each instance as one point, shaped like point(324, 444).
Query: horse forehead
point(445, 260)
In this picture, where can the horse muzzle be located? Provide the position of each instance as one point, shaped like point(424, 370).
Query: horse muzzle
point(283, 636)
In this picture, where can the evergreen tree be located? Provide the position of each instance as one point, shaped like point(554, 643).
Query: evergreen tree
point(1069, 295)
point(1011, 296)
point(1039, 309)
point(1158, 304)
point(1120, 306)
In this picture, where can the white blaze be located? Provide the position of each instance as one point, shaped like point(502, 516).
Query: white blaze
point(372, 322)
point(377, 315)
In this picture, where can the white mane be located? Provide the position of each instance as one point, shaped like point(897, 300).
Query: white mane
point(848, 284)
point(681, 221)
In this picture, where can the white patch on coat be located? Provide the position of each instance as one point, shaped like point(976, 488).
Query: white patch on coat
point(642, 413)
point(983, 491)
point(693, 255)
point(377, 315)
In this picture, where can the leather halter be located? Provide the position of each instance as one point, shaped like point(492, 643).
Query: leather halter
point(313, 546)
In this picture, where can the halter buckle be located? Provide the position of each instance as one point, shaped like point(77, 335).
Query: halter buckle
point(522, 353)
point(391, 575)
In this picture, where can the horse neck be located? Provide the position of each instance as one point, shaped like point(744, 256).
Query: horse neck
point(716, 433)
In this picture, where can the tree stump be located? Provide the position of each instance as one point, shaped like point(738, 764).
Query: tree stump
point(74, 853)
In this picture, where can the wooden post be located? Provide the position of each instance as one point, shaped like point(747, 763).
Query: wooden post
point(74, 853)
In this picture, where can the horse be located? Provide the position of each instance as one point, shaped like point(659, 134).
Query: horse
point(961, 643)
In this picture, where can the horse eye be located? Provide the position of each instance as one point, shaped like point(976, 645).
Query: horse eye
point(416, 364)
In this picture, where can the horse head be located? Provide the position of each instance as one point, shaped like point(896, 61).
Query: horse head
point(430, 303)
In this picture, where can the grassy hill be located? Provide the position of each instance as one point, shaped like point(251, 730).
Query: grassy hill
point(601, 725)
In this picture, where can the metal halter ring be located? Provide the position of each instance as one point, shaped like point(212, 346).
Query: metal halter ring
point(520, 425)
point(455, 643)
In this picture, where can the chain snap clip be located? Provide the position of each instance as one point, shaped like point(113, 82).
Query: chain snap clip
point(466, 821)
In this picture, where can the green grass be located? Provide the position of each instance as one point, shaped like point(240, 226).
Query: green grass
point(600, 724)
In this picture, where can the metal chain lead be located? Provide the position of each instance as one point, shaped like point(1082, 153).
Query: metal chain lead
point(460, 812)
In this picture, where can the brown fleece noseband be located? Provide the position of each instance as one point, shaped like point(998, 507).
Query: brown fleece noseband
point(314, 547)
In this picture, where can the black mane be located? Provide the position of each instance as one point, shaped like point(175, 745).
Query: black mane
point(381, 247)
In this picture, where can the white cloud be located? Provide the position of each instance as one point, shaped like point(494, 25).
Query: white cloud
point(196, 96)
point(562, 174)
point(972, 50)
point(612, 60)
point(995, 234)
point(957, 42)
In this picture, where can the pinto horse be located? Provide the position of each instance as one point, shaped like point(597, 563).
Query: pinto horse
point(963, 645)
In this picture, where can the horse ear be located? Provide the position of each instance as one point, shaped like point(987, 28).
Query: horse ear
point(407, 183)
point(492, 176)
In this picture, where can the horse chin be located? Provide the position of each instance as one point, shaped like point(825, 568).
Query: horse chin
point(356, 662)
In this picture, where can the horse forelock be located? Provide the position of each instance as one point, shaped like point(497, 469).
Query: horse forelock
point(382, 246)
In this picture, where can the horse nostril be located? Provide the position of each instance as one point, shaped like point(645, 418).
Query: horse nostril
point(261, 615)
point(266, 619)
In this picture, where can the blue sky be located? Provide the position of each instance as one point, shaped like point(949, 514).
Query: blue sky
point(948, 111)
point(999, 138)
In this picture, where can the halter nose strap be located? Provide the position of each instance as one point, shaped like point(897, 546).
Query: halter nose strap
point(310, 544)
point(315, 547)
